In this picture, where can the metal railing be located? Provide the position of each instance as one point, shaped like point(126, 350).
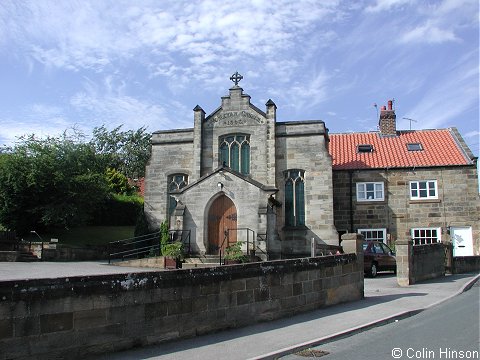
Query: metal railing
point(146, 245)
point(137, 247)
point(262, 237)
point(184, 236)
point(248, 238)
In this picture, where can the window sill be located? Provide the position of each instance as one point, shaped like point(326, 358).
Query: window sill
point(425, 201)
point(367, 202)
point(294, 228)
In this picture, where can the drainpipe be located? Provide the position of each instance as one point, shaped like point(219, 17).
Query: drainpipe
point(350, 178)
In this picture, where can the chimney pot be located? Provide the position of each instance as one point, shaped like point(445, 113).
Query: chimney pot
point(390, 103)
point(384, 107)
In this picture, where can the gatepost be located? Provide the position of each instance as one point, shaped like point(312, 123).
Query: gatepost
point(353, 243)
point(404, 256)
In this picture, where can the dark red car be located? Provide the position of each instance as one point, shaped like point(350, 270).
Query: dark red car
point(378, 257)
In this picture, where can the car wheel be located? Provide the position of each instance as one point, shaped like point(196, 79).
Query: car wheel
point(373, 270)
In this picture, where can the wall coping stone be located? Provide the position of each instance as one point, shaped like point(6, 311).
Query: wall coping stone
point(30, 289)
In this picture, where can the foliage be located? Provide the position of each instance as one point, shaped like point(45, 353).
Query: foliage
point(234, 252)
point(52, 182)
point(88, 235)
point(142, 226)
point(118, 183)
point(125, 151)
point(164, 234)
point(64, 181)
point(119, 210)
point(174, 250)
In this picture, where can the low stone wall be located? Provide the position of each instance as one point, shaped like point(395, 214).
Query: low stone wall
point(153, 262)
point(9, 256)
point(428, 261)
point(465, 264)
point(78, 316)
point(60, 252)
point(419, 262)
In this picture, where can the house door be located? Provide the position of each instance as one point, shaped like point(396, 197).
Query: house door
point(222, 219)
point(462, 241)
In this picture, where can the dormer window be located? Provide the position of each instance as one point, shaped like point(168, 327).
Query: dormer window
point(414, 147)
point(365, 148)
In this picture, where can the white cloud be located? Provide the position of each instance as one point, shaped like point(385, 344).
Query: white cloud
point(472, 134)
point(386, 5)
point(39, 119)
point(449, 96)
point(108, 103)
point(428, 33)
point(94, 35)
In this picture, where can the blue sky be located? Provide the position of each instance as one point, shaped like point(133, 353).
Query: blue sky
point(82, 64)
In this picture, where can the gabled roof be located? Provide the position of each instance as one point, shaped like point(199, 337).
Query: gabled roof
point(442, 147)
point(233, 172)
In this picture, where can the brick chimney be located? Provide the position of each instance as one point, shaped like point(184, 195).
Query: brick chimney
point(387, 121)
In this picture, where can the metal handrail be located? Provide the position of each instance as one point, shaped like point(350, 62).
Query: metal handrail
point(227, 238)
point(132, 242)
point(184, 239)
point(264, 238)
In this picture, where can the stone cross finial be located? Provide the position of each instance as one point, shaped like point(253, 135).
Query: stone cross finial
point(236, 78)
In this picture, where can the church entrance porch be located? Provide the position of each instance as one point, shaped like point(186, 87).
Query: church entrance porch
point(222, 219)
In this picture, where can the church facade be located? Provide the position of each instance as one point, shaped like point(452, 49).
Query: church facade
point(239, 175)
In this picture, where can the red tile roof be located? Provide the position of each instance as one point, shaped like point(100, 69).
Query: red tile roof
point(440, 148)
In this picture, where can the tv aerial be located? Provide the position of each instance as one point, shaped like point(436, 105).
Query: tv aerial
point(411, 120)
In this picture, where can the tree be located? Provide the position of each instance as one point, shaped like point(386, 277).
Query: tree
point(52, 182)
point(125, 151)
point(118, 183)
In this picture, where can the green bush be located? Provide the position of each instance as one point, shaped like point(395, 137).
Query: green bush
point(234, 252)
point(119, 210)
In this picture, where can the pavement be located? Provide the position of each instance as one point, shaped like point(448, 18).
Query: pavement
point(384, 302)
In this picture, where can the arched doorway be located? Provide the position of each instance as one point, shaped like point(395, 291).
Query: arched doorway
point(222, 218)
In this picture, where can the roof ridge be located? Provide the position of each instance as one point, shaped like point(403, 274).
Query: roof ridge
point(462, 145)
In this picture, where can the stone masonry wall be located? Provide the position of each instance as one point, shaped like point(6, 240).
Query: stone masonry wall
point(428, 261)
point(174, 155)
point(79, 316)
point(294, 144)
point(458, 202)
point(419, 262)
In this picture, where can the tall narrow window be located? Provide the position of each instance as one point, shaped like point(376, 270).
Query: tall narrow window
point(175, 182)
point(234, 151)
point(294, 198)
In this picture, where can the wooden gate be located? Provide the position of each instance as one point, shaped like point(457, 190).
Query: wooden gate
point(222, 216)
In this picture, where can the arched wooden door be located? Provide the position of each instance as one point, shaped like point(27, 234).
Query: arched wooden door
point(222, 216)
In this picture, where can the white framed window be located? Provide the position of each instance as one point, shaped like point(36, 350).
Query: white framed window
point(374, 234)
point(425, 189)
point(370, 191)
point(423, 236)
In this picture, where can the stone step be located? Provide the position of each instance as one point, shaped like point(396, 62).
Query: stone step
point(198, 265)
point(204, 259)
point(27, 257)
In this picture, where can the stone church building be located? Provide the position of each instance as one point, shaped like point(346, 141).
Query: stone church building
point(238, 174)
